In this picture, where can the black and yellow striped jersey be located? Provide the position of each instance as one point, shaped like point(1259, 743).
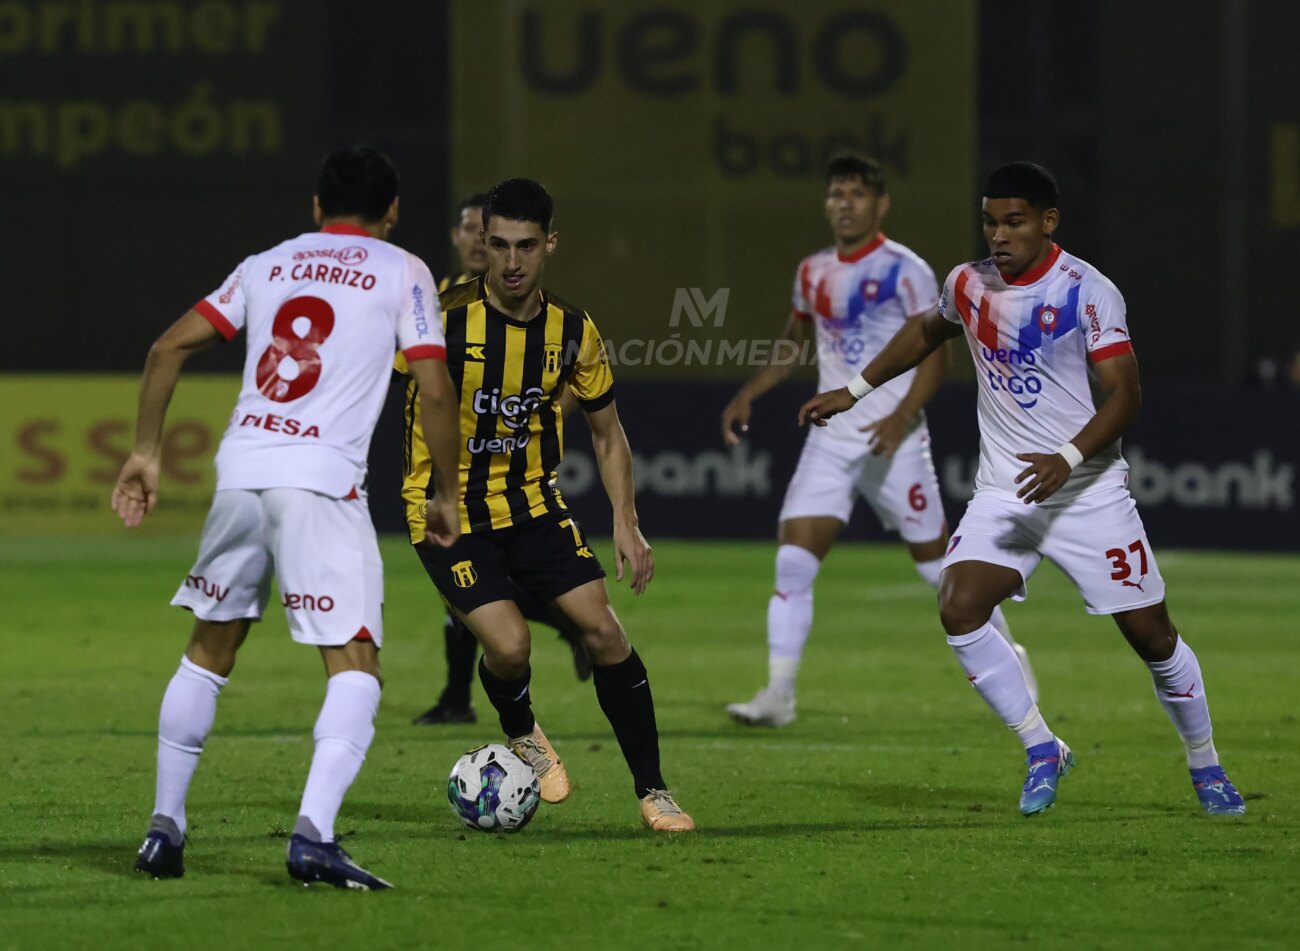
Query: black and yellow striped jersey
point(510, 375)
point(447, 283)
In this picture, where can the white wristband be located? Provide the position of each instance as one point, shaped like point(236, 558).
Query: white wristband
point(859, 387)
point(1070, 454)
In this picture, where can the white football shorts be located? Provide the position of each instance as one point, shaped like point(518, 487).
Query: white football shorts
point(1097, 540)
point(902, 491)
point(323, 552)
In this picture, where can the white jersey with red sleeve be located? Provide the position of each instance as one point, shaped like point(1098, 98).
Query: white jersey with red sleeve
point(324, 312)
point(856, 304)
point(1032, 339)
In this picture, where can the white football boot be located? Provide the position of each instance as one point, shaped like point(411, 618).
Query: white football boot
point(768, 708)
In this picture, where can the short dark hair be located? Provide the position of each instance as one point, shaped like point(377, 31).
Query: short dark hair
point(853, 165)
point(1026, 180)
point(359, 180)
point(476, 200)
point(520, 199)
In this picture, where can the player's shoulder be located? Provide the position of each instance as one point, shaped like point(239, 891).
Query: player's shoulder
point(462, 295)
point(1090, 278)
point(821, 256)
point(448, 281)
point(286, 247)
point(901, 252)
point(984, 269)
point(566, 307)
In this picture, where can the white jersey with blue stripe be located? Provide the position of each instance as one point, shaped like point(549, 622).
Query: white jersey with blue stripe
point(857, 303)
point(1033, 339)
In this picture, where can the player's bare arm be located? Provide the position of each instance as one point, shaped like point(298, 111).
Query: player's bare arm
point(136, 491)
point(440, 412)
point(914, 343)
point(614, 457)
point(885, 435)
point(776, 369)
point(1117, 378)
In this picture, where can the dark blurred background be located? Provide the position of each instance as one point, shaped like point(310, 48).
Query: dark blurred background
point(149, 145)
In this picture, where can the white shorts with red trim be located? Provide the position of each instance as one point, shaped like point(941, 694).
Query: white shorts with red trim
point(902, 491)
point(322, 551)
point(1097, 540)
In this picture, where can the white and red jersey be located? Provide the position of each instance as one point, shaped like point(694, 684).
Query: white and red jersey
point(324, 312)
point(857, 303)
point(1032, 339)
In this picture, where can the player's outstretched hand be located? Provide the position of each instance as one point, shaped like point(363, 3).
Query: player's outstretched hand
point(442, 522)
point(630, 546)
point(1045, 474)
point(825, 405)
point(136, 492)
point(737, 411)
point(885, 435)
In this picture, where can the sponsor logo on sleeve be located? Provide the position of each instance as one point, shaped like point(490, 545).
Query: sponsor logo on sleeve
point(229, 293)
point(421, 314)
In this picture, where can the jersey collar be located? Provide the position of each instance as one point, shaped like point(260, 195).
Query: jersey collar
point(863, 251)
point(1030, 276)
point(543, 302)
point(347, 229)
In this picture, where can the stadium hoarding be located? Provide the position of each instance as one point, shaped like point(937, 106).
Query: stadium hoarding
point(685, 143)
point(65, 437)
point(1234, 491)
point(152, 145)
point(62, 439)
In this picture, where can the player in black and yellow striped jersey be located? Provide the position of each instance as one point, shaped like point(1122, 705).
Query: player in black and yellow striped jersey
point(513, 349)
point(460, 648)
point(467, 239)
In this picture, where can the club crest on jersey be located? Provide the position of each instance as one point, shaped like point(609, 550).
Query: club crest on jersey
point(1047, 319)
point(552, 354)
point(463, 574)
point(871, 289)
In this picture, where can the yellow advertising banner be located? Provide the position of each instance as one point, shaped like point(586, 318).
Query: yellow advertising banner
point(685, 145)
point(64, 438)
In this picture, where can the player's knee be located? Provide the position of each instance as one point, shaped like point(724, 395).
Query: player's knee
point(962, 609)
point(508, 660)
point(604, 638)
point(796, 569)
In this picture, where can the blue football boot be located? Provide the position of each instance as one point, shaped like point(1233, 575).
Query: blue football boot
point(1048, 763)
point(310, 861)
point(1216, 793)
point(160, 856)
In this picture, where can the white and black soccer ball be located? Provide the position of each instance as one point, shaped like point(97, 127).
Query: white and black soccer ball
point(492, 790)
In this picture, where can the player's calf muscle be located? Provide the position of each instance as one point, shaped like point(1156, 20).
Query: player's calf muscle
point(1149, 632)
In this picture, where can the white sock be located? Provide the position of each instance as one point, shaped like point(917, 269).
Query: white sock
point(343, 732)
point(789, 615)
point(1181, 691)
point(994, 671)
point(188, 709)
point(999, 621)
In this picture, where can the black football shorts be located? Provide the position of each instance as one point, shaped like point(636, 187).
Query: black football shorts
point(546, 556)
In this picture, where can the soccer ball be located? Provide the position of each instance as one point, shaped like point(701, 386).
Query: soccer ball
point(492, 790)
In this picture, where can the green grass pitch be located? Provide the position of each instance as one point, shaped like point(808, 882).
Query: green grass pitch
point(884, 817)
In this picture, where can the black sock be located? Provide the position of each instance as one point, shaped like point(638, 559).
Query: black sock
point(461, 648)
point(513, 703)
point(623, 690)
